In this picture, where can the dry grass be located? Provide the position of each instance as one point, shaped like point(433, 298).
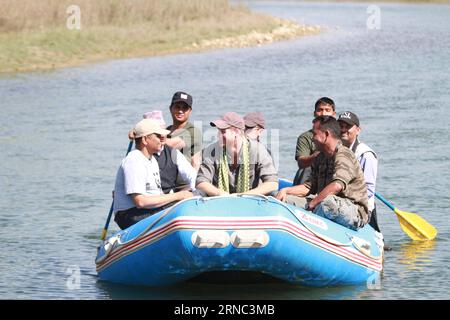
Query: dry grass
point(34, 36)
point(19, 15)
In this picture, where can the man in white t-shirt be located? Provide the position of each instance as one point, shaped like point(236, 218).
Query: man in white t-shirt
point(175, 170)
point(137, 191)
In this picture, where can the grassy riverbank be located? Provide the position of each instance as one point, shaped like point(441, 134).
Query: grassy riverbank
point(34, 34)
point(382, 1)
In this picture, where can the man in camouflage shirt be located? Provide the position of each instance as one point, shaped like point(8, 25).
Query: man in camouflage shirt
point(336, 179)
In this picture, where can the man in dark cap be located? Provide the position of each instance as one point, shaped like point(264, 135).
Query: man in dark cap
point(235, 164)
point(183, 135)
point(367, 158)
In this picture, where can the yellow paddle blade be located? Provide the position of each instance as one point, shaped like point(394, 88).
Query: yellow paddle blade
point(103, 237)
point(415, 226)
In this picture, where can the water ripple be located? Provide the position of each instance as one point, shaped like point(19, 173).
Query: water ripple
point(58, 166)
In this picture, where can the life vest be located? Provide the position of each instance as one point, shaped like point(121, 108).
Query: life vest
point(168, 168)
point(359, 149)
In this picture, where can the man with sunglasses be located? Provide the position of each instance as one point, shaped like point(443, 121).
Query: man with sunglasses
point(137, 191)
point(175, 171)
point(183, 135)
point(336, 179)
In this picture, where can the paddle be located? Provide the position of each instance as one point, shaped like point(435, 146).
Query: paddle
point(105, 229)
point(412, 224)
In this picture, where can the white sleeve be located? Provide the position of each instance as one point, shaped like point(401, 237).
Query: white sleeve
point(369, 166)
point(134, 177)
point(185, 169)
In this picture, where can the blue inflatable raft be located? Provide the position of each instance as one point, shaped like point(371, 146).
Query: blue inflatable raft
point(240, 233)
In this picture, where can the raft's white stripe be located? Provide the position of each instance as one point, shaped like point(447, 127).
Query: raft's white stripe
point(278, 223)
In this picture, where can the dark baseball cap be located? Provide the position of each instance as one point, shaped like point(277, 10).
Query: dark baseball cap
point(253, 119)
point(229, 119)
point(180, 96)
point(349, 118)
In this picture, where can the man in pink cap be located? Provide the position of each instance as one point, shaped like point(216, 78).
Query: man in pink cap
point(235, 164)
point(254, 125)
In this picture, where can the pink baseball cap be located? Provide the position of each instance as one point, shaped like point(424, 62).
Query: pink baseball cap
point(156, 115)
point(229, 119)
point(253, 119)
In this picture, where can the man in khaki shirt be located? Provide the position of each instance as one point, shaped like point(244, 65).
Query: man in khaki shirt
point(336, 179)
point(235, 164)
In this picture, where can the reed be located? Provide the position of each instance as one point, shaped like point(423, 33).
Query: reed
point(34, 36)
point(19, 15)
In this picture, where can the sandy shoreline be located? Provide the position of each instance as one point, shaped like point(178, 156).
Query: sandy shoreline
point(287, 30)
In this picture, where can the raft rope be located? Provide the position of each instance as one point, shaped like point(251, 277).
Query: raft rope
point(318, 235)
point(202, 199)
point(363, 251)
point(169, 210)
point(327, 239)
point(265, 198)
point(119, 242)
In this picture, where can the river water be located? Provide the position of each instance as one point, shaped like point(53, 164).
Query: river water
point(63, 134)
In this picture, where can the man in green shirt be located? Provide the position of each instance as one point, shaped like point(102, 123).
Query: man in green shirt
point(306, 151)
point(183, 135)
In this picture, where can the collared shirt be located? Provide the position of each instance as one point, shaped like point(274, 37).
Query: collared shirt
point(344, 169)
point(191, 136)
point(305, 145)
point(261, 166)
point(368, 161)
